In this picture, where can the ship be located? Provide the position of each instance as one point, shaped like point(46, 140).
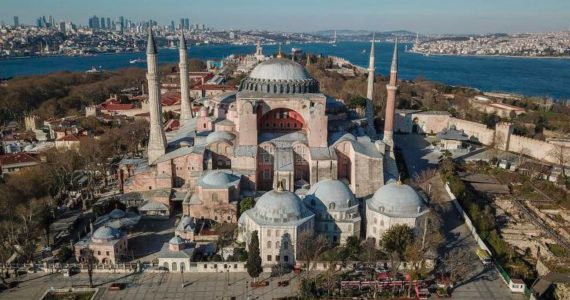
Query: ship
point(136, 61)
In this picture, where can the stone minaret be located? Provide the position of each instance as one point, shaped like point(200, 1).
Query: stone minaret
point(392, 88)
point(157, 139)
point(185, 104)
point(370, 91)
point(371, 69)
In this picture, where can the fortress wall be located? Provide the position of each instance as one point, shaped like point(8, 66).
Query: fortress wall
point(479, 131)
point(534, 148)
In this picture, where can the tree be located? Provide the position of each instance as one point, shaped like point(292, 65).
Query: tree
point(455, 260)
point(397, 238)
point(310, 247)
point(253, 263)
point(560, 155)
point(90, 260)
point(245, 204)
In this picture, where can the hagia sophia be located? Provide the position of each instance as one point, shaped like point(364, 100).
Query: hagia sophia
point(310, 162)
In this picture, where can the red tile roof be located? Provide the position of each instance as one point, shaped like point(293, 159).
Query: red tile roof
point(116, 106)
point(171, 125)
point(16, 158)
point(170, 99)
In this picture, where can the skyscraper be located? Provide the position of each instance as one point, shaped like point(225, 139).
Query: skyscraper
point(94, 22)
point(186, 23)
point(121, 24)
point(16, 21)
point(109, 23)
point(102, 23)
point(181, 23)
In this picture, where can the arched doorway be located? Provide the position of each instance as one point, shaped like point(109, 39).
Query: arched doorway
point(265, 161)
point(174, 268)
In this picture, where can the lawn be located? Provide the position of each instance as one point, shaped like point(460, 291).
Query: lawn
point(69, 296)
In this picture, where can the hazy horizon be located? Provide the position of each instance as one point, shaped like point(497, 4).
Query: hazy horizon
point(426, 17)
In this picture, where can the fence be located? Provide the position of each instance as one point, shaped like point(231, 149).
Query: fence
point(71, 290)
point(516, 286)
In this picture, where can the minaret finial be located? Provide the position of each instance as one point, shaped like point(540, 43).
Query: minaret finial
point(151, 45)
point(394, 67)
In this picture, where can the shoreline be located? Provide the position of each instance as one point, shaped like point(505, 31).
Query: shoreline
point(490, 56)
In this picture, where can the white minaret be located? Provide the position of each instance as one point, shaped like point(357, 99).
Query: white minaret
point(370, 90)
point(157, 138)
point(371, 69)
point(185, 104)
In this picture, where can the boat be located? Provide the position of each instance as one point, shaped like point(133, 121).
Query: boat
point(334, 40)
point(296, 50)
point(364, 51)
point(94, 70)
point(136, 61)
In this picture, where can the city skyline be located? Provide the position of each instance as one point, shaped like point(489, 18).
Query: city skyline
point(437, 16)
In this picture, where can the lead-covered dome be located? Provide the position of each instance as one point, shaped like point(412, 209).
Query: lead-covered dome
point(219, 178)
point(106, 233)
point(329, 195)
point(280, 76)
point(279, 69)
point(397, 200)
point(278, 207)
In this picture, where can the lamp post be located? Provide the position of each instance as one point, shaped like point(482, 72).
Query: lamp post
point(228, 272)
point(246, 285)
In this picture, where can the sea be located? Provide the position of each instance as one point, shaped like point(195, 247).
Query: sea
point(541, 77)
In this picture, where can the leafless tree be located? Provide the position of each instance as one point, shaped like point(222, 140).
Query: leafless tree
point(560, 155)
point(309, 247)
point(90, 261)
point(455, 260)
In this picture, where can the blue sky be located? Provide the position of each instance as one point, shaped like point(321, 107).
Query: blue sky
point(425, 16)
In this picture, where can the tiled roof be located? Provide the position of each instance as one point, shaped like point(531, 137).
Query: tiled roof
point(169, 99)
point(16, 158)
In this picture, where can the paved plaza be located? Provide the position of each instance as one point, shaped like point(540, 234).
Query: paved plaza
point(157, 286)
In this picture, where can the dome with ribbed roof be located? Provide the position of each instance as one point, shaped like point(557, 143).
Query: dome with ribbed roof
point(117, 214)
point(279, 69)
point(329, 194)
point(278, 207)
point(280, 76)
point(218, 136)
point(397, 200)
point(106, 233)
point(219, 178)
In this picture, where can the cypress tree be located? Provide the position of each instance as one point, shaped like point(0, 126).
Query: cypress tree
point(253, 263)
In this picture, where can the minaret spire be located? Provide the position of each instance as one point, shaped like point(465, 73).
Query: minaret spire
point(280, 54)
point(185, 105)
point(370, 90)
point(371, 68)
point(157, 138)
point(392, 89)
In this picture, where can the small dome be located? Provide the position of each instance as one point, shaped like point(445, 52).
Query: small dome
point(106, 233)
point(329, 195)
point(176, 241)
point(117, 214)
point(397, 199)
point(218, 136)
point(279, 69)
point(280, 207)
point(220, 178)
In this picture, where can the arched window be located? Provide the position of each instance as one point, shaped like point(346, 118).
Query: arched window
point(182, 267)
point(165, 264)
point(268, 245)
point(173, 267)
point(332, 205)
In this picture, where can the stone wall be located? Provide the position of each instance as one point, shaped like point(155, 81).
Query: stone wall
point(478, 131)
point(534, 148)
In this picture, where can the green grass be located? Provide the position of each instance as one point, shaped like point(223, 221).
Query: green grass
point(69, 296)
point(558, 250)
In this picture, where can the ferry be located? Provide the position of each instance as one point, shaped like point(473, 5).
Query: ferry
point(94, 70)
point(136, 61)
point(296, 50)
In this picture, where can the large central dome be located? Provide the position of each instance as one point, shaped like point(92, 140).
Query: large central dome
point(279, 76)
point(279, 69)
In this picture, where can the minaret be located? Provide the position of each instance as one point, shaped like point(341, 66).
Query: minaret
point(371, 69)
point(185, 104)
point(392, 88)
point(258, 49)
point(308, 60)
point(370, 90)
point(157, 138)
